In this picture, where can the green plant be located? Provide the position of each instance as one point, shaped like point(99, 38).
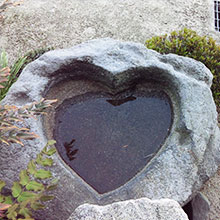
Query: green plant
point(27, 194)
point(187, 43)
point(12, 77)
point(31, 190)
point(10, 132)
point(17, 67)
point(31, 56)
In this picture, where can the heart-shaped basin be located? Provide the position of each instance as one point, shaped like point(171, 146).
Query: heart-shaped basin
point(107, 140)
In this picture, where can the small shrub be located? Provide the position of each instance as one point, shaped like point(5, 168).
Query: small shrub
point(17, 67)
point(187, 43)
point(10, 132)
point(31, 190)
point(11, 77)
point(31, 56)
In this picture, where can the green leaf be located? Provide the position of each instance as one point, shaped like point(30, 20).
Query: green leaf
point(54, 181)
point(2, 184)
point(42, 174)
point(45, 198)
point(16, 189)
point(2, 198)
point(3, 59)
point(47, 162)
point(24, 178)
point(51, 187)
point(25, 212)
point(8, 200)
point(51, 151)
point(31, 167)
point(27, 196)
point(35, 186)
point(51, 142)
point(16, 67)
point(36, 206)
point(12, 214)
point(44, 162)
point(39, 159)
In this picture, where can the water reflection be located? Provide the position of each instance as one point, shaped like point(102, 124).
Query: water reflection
point(116, 102)
point(70, 152)
point(117, 136)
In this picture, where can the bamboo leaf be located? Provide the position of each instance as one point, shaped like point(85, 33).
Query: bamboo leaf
point(3, 140)
point(2, 122)
point(17, 66)
point(27, 135)
point(7, 128)
point(16, 189)
point(15, 140)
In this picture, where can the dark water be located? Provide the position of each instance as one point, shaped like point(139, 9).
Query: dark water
point(106, 140)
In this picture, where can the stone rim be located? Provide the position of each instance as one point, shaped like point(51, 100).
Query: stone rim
point(190, 140)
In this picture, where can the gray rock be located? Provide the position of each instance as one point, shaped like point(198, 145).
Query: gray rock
point(190, 154)
point(201, 207)
point(140, 209)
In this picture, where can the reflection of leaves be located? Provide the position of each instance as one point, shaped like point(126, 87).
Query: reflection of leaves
point(116, 102)
point(71, 153)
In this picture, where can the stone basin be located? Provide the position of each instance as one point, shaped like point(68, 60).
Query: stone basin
point(186, 155)
point(107, 140)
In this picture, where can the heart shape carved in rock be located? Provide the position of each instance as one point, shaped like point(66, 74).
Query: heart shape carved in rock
point(111, 66)
point(108, 140)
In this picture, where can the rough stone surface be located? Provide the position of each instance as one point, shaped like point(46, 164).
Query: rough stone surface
point(140, 209)
point(201, 207)
point(212, 191)
point(59, 23)
point(187, 159)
